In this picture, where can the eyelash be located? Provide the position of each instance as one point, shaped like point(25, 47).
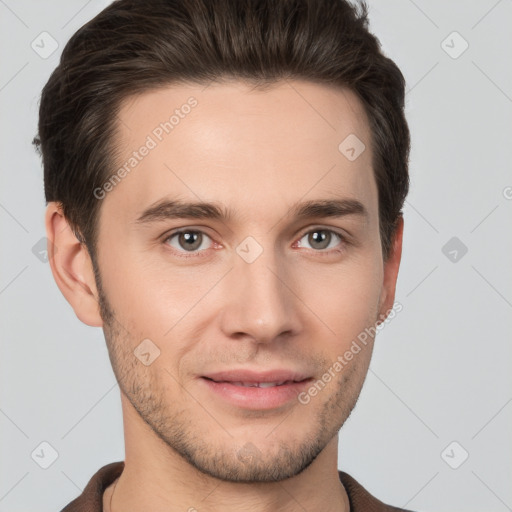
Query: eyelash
point(343, 241)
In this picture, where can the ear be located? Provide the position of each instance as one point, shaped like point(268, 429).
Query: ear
point(72, 267)
point(391, 267)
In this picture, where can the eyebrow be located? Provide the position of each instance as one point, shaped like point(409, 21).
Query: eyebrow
point(176, 209)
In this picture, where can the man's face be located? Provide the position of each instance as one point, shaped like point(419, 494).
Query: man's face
point(260, 291)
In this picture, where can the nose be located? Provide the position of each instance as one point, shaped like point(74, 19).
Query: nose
point(259, 301)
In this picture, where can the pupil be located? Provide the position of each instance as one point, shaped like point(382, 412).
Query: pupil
point(319, 237)
point(191, 238)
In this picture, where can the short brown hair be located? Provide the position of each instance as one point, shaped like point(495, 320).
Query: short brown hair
point(133, 46)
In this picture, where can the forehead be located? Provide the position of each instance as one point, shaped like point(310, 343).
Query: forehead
point(258, 151)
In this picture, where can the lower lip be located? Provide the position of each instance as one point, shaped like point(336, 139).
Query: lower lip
point(255, 398)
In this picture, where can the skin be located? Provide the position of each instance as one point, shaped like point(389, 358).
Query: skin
point(296, 306)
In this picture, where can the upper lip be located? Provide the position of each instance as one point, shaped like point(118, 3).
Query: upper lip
point(242, 375)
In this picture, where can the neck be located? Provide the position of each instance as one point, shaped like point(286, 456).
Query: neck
point(157, 478)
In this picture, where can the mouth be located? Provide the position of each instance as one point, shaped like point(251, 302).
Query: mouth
point(256, 390)
point(257, 384)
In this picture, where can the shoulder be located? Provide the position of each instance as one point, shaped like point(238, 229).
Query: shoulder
point(361, 500)
point(91, 499)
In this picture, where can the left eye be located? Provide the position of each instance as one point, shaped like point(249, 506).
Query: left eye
point(321, 239)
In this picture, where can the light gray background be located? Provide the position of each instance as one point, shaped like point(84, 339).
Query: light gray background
point(441, 370)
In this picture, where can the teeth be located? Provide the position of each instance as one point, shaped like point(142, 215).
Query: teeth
point(259, 384)
point(269, 384)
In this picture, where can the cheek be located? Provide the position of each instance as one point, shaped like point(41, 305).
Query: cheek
point(153, 299)
point(344, 297)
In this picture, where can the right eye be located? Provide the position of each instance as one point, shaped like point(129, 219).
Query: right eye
point(187, 241)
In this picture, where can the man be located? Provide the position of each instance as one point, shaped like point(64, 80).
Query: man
point(224, 183)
